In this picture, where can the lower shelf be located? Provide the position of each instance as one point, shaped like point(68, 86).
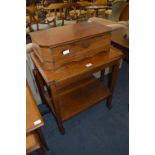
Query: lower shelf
point(83, 97)
point(32, 142)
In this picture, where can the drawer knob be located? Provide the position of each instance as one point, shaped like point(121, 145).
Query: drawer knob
point(66, 52)
point(88, 65)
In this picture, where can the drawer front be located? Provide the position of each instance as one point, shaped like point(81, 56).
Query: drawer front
point(58, 56)
point(81, 48)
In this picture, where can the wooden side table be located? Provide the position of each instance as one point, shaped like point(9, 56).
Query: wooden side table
point(72, 89)
point(34, 137)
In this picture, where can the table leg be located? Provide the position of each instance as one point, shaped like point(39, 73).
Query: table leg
point(42, 139)
point(111, 83)
point(40, 84)
point(102, 75)
point(56, 105)
point(41, 151)
point(54, 102)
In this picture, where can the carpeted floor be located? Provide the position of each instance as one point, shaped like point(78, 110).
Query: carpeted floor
point(97, 131)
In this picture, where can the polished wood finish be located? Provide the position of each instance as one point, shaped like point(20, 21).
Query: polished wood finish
point(72, 89)
point(53, 59)
point(32, 112)
point(51, 37)
point(93, 39)
point(76, 69)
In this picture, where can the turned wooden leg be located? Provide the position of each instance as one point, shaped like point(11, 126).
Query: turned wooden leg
point(112, 82)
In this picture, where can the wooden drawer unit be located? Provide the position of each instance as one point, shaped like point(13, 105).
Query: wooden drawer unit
point(73, 43)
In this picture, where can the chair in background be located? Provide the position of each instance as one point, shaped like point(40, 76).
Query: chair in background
point(89, 12)
point(124, 16)
point(101, 2)
point(78, 12)
point(117, 7)
point(57, 11)
point(123, 19)
point(33, 21)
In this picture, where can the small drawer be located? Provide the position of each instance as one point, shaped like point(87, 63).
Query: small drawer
point(75, 51)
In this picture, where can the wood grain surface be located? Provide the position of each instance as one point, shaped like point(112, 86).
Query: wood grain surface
point(66, 34)
point(32, 112)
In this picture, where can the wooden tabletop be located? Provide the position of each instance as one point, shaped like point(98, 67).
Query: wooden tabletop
point(75, 69)
point(33, 117)
point(67, 34)
point(118, 38)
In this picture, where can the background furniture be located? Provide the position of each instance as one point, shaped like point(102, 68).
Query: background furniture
point(124, 16)
point(122, 43)
point(34, 137)
point(98, 8)
point(117, 7)
point(34, 22)
point(56, 10)
point(29, 74)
